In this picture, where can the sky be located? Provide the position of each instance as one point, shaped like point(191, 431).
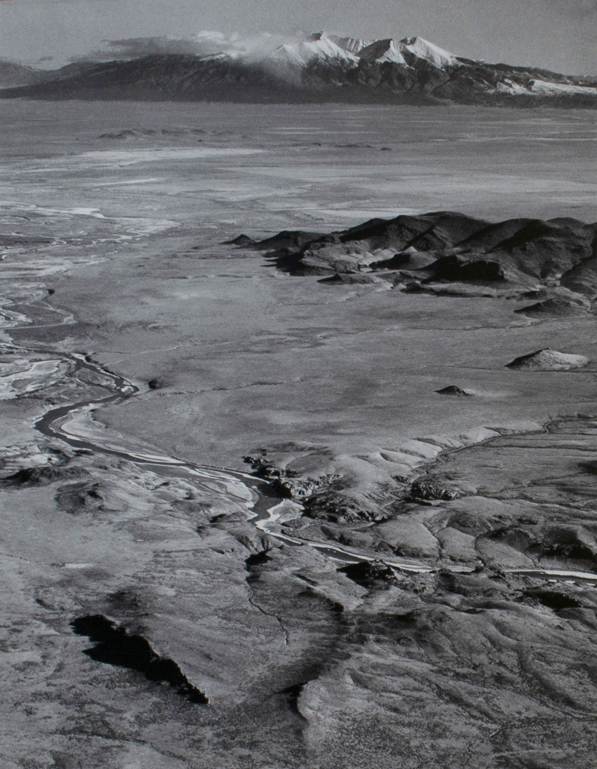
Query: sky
point(556, 34)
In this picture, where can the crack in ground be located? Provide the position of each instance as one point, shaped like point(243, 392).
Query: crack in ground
point(258, 559)
point(254, 603)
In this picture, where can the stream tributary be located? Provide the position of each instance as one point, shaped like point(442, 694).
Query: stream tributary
point(266, 501)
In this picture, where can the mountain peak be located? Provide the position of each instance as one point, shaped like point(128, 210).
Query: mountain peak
point(423, 49)
point(405, 52)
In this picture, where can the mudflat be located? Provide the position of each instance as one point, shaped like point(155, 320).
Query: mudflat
point(462, 627)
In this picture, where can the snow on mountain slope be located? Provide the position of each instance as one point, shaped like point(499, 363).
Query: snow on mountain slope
point(544, 87)
point(318, 47)
point(351, 44)
point(511, 88)
point(423, 49)
point(286, 54)
point(382, 51)
point(389, 50)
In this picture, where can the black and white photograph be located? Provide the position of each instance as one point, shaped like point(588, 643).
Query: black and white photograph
point(298, 384)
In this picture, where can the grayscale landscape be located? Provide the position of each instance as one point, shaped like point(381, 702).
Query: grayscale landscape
point(298, 456)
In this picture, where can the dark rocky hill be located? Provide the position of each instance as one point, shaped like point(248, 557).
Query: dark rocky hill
point(553, 261)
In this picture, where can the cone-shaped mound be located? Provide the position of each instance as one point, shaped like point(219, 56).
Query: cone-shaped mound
point(454, 390)
point(549, 360)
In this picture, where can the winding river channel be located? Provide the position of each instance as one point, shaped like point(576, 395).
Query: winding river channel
point(266, 506)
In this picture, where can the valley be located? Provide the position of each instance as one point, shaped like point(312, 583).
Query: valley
point(259, 519)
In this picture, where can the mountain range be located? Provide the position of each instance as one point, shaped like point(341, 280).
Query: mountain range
point(318, 68)
point(13, 74)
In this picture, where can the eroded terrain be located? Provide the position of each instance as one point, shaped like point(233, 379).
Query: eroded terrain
point(251, 519)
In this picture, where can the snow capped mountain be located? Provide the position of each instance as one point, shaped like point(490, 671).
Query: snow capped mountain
point(299, 68)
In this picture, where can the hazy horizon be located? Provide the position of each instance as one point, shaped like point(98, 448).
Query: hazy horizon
point(554, 34)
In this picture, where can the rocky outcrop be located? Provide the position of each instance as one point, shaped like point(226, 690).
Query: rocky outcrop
point(432, 488)
point(556, 307)
point(78, 498)
point(284, 481)
point(548, 360)
point(39, 476)
point(335, 507)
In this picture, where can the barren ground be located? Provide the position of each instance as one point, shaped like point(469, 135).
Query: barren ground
point(120, 211)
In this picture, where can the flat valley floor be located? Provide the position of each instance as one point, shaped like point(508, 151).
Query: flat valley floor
point(114, 219)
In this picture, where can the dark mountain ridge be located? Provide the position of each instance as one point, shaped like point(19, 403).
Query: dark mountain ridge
point(554, 261)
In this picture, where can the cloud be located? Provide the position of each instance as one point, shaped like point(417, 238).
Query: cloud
point(205, 43)
point(136, 47)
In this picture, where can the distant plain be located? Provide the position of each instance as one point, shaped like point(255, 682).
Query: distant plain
point(250, 356)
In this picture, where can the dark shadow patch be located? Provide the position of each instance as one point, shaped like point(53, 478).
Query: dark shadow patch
point(241, 241)
point(369, 573)
point(254, 564)
point(124, 601)
point(114, 646)
point(554, 599)
point(456, 268)
point(65, 761)
point(8, 240)
point(257, 559)
point(589, 467)
point(352, 278)
point(292, 697)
